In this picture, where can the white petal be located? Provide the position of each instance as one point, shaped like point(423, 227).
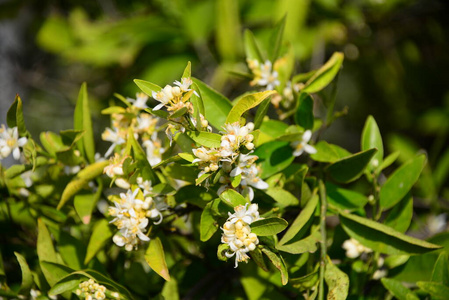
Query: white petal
point(159, 106)
point(309, 149)
point(22, 141)
point(236, 171)
point(298, 152)
point(306, 136)
point(142, 236)
point(260, 184)
point(16, 153)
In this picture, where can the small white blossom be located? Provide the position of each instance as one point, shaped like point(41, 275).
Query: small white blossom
point(354, 249)
point(140, 101)
point(154, 149)
point(114, 137)
point(264, 75)
point(303, 146)
point(164, 96)
point(10, 142)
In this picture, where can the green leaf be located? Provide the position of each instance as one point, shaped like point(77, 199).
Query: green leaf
point(350, 168)
point(344, 198)
point(296, 228)
point(67, 283)
point(187, 71)
point(337, 281)
point(178, 113)
point(435, 289)
point(276, 39)
point(305, 282)
point(282, 197)
point(261, 113)
point(304, 113)
point(14, 117)
point(398, 290)
point(235, 181)
point(54, 272)
point(228, 28)
point(84, 205)
point(195, 195)
point(147, 87)
point(328, 152)
point(155, 257)
point(440, 271)
point(246, 103)
point(325, 74)
point(400, 182)
point(198, 106)
point(140, 156)
point(101, 234)
point(371, 138)
point(208, 224)
point(170, 290)
point(27, 278)
point(221, 250)
point(274, 157)
point(277, 260)
point(206, 139)
point(45, 249)
point(307, 244)
point(257, 256)
point(217, 106)
point(251, 49)
point(81, 180)
point(401, 215)
point(232, 198)
point(178, 171)
point(389, 160)
point(382, 238)
point(83, 122)
point(268, 226)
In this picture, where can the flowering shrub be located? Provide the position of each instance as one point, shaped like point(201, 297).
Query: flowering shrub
point(183, 162)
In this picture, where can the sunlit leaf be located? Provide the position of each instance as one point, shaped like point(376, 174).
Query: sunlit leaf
point(307, 244)
point(147, 87)
point(350, 168)
point(208, 225)
point(155, 257)
point(328, 152)
point(246, 103)
point(207, 139)
point(268, 226)
point(101, 234)
point(337, 281)
point(398, 290)
point(27, 278)
point(371, 138)
point(277, 260)
point(83, 122)
point(325, 74)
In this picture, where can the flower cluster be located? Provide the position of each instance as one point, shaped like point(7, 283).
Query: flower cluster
point(354, 249)
point(10, 142)
point(115, 169)
point(264, 74)
point(229, 158)
point(237, 232)
point(131, 213)
point(144, 127)
point(175, 97)
point(90, 290)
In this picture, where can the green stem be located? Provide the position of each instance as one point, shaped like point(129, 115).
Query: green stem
point(323, 210)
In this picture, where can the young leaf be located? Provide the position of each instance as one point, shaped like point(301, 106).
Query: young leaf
point(400, 182)
point(277, 260)
point(257, 256)
point(187, 71)
point(155, 257)
point(246, 103)
point(100, 236)
point(81, 180)
point(296, 228)
point(401, 215)
point(325, 74)
point(216, 106)
point(382, 238)
point(350, 168)
point(397, 289)
point(83, 122)
point(14, 116)
point(261, 113)
point(337, 281)
point(304, 112)
point(307, 244)
point(268, 226)
point(27, 278)
point(389, 160)
point(328, 152)
point(232, 198)
point(207, 139)
point(147, 87)
point(371, 138)
point(208, 224)
point(251, 49)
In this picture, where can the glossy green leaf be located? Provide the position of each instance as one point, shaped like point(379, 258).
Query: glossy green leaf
point(261, 113)
point(54, 272)
point(277, 260)
point(296, 228)
point(83, 122)
point(216, 106)
point(84, 205)
point(307, 244)
point(435, 289)
point(350, 168)
point(187, 71)
point(343, 198)
point(274, 157)
point(325, 74)
point(233, 198)
point(337, 281)
point(45, 249)
point(155, 257)
point(276, 39)
point(397, 289)
point(140, 155)
point(14, 116)
point(282, 197)
point(206, 139)
point(251, 48)
point(81, 180)
point(389, 160)
point(67, 283)
point(371, 138)
point(147, 87)
point(170, 290)
point(246, 103)
point(178, 171)
point(101, 234)
point(257, 256)
point(305, 282)
point(195, 195)
point(401, 215)
point(27, 278)
point(268, 226)
point(400, 182)
point(208, 224)
point(382, 238)
point(440, 271)
point(304, 113)
point(328, 152)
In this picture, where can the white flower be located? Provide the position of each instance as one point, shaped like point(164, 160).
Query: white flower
point(10, 142)
point(115, 166)
point(302, 146)
point(246, 215)
point(234, 137)
point(354, 249)
point(154, 149)
point(164, 96)
point(250, 177)
point(140, 101)
point(185, 84)
point(245, 161)
point(114, 137)
point(436, 224)
point(263, 74)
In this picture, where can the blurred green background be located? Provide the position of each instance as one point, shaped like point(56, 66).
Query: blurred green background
point(396, 60)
